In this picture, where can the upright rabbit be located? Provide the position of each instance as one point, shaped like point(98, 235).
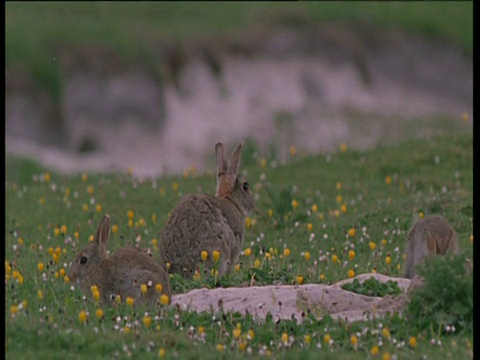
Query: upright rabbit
point(209, 223)
point(122, 273)
point(432, 235)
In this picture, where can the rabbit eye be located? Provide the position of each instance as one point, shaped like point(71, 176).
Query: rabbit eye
point(245, 186)
point(83, 260)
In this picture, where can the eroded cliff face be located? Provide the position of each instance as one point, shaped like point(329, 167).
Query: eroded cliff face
point(313, 89)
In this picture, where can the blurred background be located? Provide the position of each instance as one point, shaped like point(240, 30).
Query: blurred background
point(150, 87)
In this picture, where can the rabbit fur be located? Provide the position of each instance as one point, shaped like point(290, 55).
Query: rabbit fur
point(119, 274)
point(202, 222)
point(432, 235)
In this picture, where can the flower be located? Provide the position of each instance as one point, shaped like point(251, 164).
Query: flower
point(412, 342)
point(130, 301)
point(99, 313)
point(327, 338)
point(96, 294)
point(175, 186)
point(351, 254)
point(351, 232)
point(285, 338)
point(300, 280)
point(307, 255)
point(143, 288)
point(351, 273)
point(215, 255)
point(334, 258)
point(388, 259)
point(204, 255)
point(130, 214)
point(372, 245)
point(82, 316)
point(147, 321)
point(353, 340)
point(161, 352)
point(286, 252)
point(374, 350)
point(247, 252)
point(164, 299)
point(236, 333)
point(294, 204)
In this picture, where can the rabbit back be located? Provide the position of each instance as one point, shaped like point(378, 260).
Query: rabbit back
point(198, 223)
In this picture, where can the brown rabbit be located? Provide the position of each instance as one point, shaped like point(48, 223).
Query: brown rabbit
point(122, 273)
point(432, 235)
point(209, 223)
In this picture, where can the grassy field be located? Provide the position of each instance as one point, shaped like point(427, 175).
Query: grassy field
point(35, 33)
point(336, 213)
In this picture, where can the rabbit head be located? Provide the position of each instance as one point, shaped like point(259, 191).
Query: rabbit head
point(89, 259)
point(231, 185)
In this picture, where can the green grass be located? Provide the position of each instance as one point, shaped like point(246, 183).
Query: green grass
point(37, 33)
point(346, 199)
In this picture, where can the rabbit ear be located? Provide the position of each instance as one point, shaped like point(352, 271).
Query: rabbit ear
point(235, 160)
point(220, 158)
point(223, 182)
point(102, 235)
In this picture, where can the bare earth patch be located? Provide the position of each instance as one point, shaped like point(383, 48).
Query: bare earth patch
point(286, 302)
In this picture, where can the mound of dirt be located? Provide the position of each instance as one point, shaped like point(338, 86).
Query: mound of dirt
point(284, 302)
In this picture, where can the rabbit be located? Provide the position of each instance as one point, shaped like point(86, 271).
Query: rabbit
point(202, 222)
point(432, 235)
point(122, 273)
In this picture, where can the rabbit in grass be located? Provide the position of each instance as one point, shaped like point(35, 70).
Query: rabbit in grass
point(203, 222)
point(122, 273)
point(432, 235)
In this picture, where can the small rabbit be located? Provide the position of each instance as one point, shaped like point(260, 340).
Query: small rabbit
point(432, 235)
point(122, 273)
point(203, 222)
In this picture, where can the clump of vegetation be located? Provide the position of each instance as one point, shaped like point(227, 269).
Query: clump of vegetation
point(445, 301)
point(373, 287)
